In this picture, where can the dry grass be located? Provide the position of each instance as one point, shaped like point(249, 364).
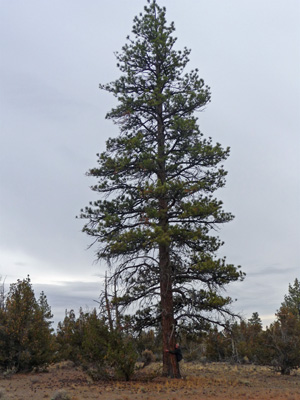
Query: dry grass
point(211, 381)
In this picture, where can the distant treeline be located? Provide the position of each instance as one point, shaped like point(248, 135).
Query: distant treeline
point(110, 349)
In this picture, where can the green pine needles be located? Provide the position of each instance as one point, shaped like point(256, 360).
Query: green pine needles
point(156, 217)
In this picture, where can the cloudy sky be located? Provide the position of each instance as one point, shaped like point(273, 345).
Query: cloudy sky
point(54, 54)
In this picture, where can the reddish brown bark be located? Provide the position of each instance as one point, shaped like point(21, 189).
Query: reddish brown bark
point(170, 364)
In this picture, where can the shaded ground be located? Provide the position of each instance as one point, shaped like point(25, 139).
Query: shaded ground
point(201, 382)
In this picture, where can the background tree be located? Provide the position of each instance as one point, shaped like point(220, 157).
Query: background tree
point(217, 345)
point(292, 299)
point(246, 339)
point(2, 294)
point(69, 337)
point(282, 340)
point(26, 338)
point(157, 218)
point(254, 348)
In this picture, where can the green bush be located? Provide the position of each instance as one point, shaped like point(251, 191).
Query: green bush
point(88, 340)
point(121, 356)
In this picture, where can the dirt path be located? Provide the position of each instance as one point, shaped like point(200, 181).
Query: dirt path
point(201, 382)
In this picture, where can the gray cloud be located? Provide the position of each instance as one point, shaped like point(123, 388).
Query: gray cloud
point(67, 296)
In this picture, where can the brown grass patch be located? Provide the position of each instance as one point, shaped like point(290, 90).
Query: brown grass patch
point(200, 382)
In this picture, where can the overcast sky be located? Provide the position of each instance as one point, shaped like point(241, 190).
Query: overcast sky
point(54, 54)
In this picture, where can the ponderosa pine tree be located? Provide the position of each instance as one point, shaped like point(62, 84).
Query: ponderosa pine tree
point(155, 223)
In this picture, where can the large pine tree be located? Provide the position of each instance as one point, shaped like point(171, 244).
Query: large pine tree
point(156, 220)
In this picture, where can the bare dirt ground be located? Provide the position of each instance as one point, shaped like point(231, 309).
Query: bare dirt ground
point(217, 381)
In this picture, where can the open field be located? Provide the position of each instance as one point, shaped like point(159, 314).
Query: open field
point(201, 382)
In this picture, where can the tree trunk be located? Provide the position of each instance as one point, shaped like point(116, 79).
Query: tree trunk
point(170, 364)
